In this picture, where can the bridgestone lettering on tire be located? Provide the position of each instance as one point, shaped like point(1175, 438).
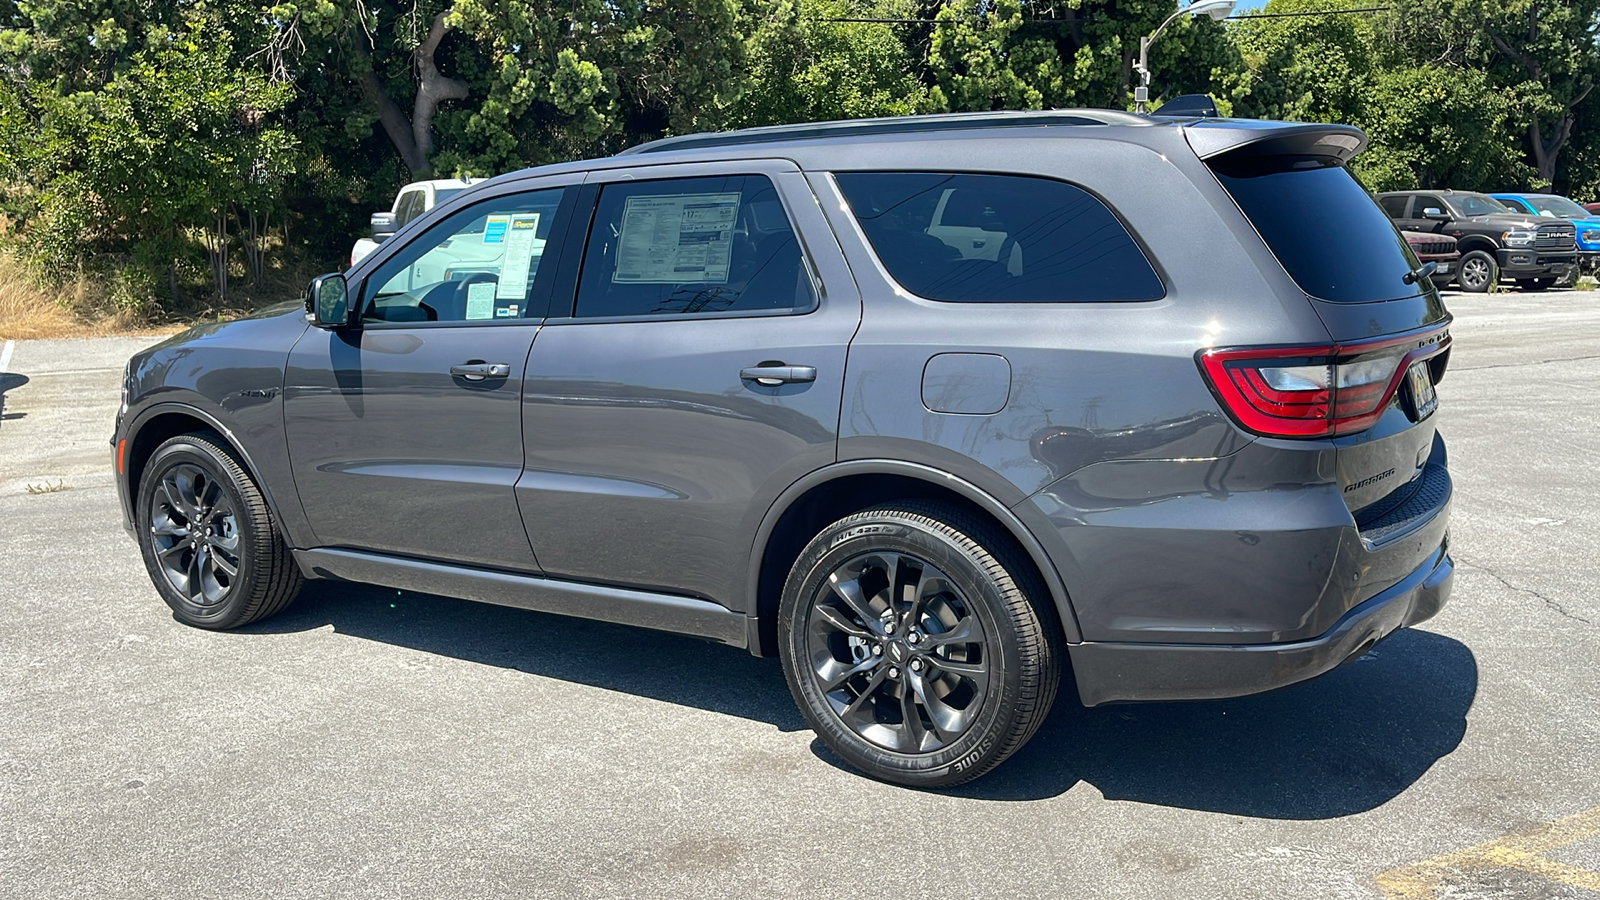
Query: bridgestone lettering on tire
point(208, 538)
point(913, 641)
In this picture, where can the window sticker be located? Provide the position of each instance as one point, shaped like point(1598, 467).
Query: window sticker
point(522, 245)
point(676, 239)
point(494, 229)
point(480, 300)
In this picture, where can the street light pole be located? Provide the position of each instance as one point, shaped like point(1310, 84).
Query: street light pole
point(1216, 9)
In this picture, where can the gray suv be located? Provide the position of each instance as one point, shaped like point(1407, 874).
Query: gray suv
point(932, 409)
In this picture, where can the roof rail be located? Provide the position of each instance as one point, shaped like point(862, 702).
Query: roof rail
point(894, 125)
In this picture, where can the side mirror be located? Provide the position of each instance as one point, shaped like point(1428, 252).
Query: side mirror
point(328, 301)
point(1434, 212)
point(383, 226)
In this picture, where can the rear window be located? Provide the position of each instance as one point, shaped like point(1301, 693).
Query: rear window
point(1323, 226)
point(997, 238)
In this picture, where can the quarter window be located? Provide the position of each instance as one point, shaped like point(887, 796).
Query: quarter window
point(481, 263)
point(692, 246)
point(998, 238)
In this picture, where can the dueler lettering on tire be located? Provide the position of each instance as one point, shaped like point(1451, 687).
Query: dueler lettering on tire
point(910, 640)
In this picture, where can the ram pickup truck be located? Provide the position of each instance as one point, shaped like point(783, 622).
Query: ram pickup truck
point(411, 202)
point(1495, 241)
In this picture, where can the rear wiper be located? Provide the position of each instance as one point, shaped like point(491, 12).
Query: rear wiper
point(1416, 275)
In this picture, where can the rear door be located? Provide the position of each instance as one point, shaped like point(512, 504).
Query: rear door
point(405, 430)
point(695, 373)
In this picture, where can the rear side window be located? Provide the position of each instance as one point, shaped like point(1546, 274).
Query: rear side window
point(692, 246)
point(998, 238)
point(1323, 226)
point(1394, 206)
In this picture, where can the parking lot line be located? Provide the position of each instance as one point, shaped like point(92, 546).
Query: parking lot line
point(1518, 851)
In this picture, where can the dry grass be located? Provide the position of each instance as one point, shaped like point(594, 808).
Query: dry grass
point(48, 487)
point(28, 311)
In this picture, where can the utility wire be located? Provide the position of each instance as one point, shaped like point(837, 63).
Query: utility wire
point(1286, 15)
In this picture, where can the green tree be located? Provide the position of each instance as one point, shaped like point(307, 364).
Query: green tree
point(806, 66)
point(1008, 54)
point(1540, 55)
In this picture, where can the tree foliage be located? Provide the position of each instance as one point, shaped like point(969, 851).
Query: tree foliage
point(142, 138)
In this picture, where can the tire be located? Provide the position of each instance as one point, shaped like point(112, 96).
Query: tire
point(195, 478)
point(1535, 284)
point(1478, 272)
point(932, 702)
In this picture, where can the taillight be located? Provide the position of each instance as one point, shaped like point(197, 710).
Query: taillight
point(1320, 391)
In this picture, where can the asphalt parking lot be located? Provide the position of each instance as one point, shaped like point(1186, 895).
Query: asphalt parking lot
point(371, 743)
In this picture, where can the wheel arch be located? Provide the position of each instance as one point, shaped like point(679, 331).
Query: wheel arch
point(164, 421)
point(1471, 242)
point(828, 494)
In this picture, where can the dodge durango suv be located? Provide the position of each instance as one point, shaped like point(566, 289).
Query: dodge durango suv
point(932, 409)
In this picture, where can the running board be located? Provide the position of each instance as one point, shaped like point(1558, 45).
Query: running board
point(662, 612)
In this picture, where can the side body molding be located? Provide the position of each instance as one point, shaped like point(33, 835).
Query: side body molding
point(663, 612)
point(933, 477)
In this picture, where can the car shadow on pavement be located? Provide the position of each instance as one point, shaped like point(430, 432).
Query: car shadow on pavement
point(1340, 744)
point(1333, 746)
point(668, 667)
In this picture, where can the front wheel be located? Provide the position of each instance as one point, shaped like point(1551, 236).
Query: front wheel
point(208, 538)
point(1478, 272)
point(917, 643)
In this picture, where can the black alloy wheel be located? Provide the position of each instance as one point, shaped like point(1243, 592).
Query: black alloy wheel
point(898, 651)
point(208, 537)
point(918, 643)
point(194, 531)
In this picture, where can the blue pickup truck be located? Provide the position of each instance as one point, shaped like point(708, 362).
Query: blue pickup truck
point(1557, 206)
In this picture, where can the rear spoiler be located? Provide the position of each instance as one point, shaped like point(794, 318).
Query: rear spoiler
point(1212, 138)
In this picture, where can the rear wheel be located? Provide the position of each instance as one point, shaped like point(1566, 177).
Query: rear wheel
point(208, 538)
point(1535, 284)
point(912, 644)
point(1478, 272)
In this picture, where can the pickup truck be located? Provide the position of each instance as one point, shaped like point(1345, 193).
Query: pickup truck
point(1557, 206)
point(412, 201)
point(1495, 241)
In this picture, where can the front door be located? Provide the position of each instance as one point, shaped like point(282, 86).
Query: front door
point(405, 430)
point(698, 374)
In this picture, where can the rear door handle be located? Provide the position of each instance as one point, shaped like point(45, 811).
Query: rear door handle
point(478, 371)
point(772, 376)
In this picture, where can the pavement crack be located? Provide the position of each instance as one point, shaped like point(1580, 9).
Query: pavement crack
point(1555, 605)
point(1519, 365)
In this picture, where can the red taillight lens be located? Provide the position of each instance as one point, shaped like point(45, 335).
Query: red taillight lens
point(1315, 391)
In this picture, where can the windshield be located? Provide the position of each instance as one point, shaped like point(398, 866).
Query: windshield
point(1480, 205)
point(1557, 206)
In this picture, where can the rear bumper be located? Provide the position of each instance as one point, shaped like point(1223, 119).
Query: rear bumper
point(1109, 672)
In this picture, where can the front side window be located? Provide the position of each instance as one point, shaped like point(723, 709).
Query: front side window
point(997, 238)
point(480, 263)
point(689, 246)
point(1480, 205)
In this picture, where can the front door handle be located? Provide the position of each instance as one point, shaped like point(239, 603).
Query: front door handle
point(776, 374)
point(478, 371)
